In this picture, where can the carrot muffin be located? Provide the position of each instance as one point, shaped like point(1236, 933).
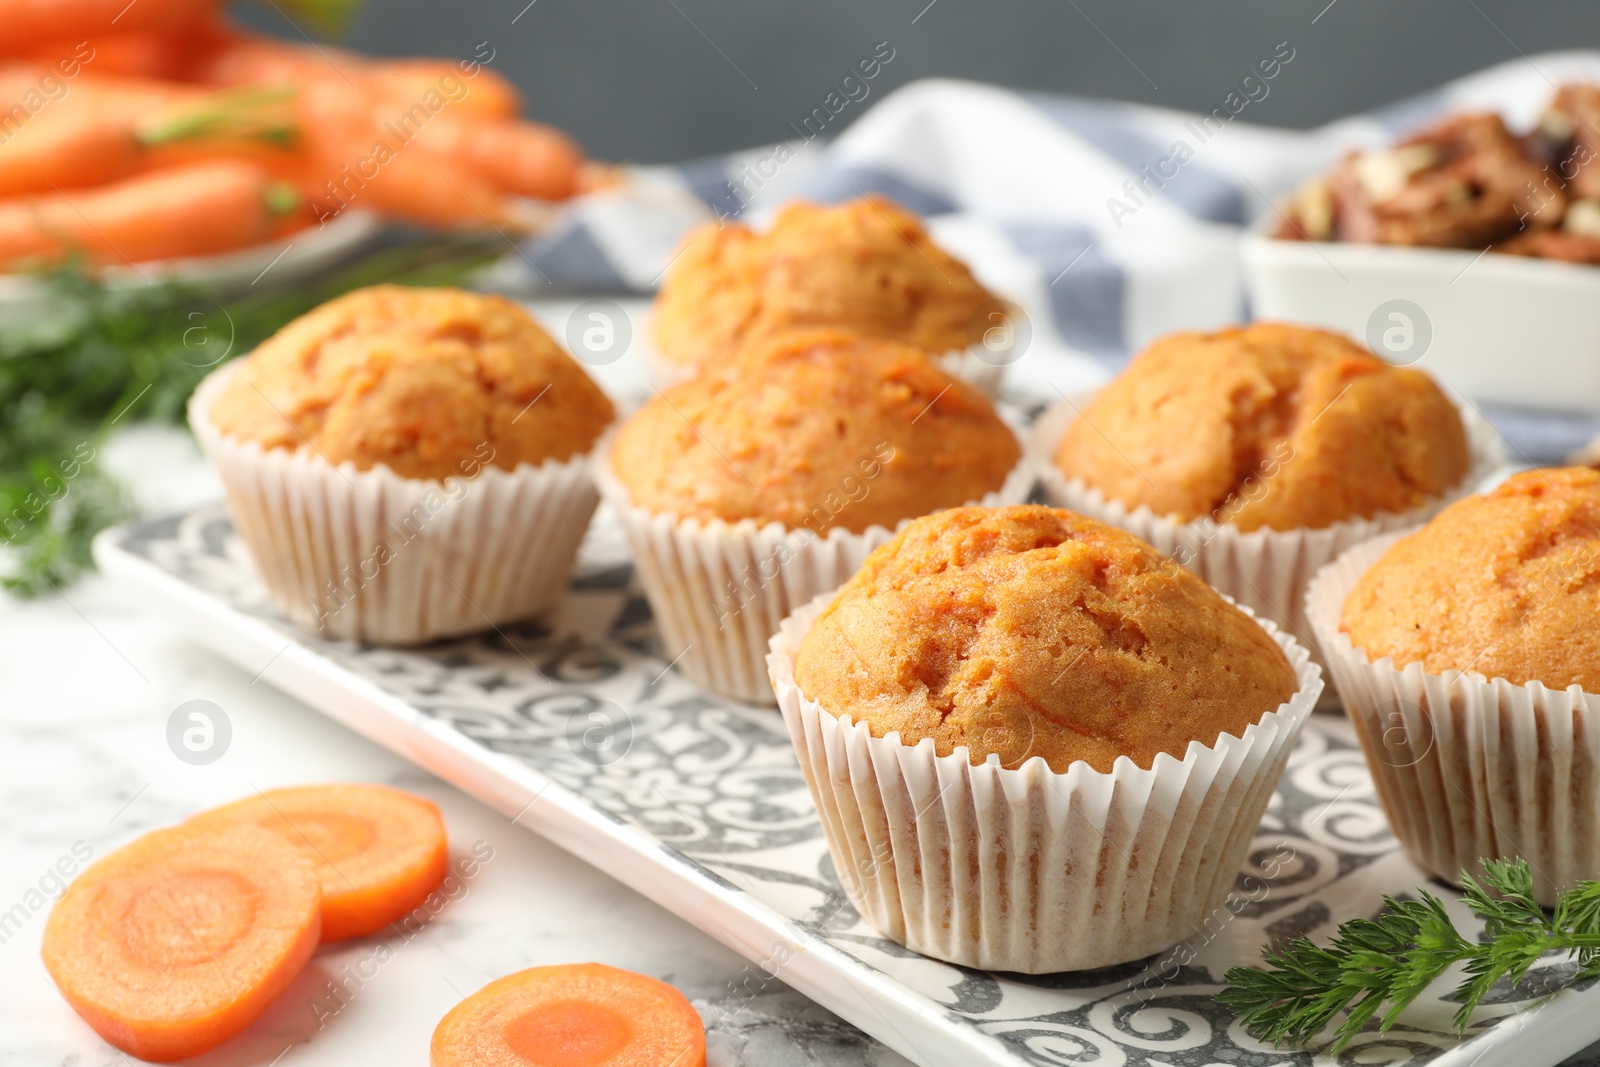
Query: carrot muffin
point(1033, 631)
point(767, 479)
point(773, 434)
point(406, 464)
point(1255, 455)
point(1506, 584)
point(1331, 431)
point(867, 265)
point(419, 380)
point(1466, 658)
point(1122, 724)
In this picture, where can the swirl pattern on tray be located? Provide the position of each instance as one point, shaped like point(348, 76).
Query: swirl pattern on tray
point(587, 703)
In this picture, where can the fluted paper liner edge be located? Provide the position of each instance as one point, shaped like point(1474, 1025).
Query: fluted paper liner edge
point(1467, 767)
point(1027, 869)
point(719, 590)
point(372, 556)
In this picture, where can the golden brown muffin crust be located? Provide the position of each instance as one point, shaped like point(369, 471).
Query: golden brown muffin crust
point(431, 382)
point(1031, 631)
point(815, 428)
point(867, 265)
point(1506, 584)
point(1267, 425)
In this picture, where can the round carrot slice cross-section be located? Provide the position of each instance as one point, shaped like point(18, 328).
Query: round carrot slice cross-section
point(174, 943)
point(378, 851)
point(572, 1015)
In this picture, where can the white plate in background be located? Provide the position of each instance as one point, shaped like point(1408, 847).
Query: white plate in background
point(292, 256)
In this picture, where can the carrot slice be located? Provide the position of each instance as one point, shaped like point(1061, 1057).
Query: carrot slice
point(174, 943)
point(379, 852)
point(573, 1015)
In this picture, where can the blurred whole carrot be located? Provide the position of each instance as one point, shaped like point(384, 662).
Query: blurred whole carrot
point(186, 211)
point(470, 86)
point(415, 187)
point(348, 134)
point(27, 22)
point(430, 141)
point(66, 152)
point(524, 158)
point(114, 127)
point(166, 54)
point(247, 59)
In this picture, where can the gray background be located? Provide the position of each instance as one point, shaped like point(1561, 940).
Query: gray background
point(644, 81)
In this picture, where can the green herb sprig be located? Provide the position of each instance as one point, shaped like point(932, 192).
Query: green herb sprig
point(1385, 963)
point(92, 358)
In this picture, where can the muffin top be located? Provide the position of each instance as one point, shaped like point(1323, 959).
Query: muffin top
point(867, 265)
point(430, 382)
point(1031, 631)
point(815, 428)
point(1267, 425)
point(1506, 584)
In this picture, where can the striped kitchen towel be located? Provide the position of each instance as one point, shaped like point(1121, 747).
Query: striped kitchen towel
point(1109, 223)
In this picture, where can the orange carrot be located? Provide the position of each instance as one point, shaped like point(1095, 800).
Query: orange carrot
point(246, 59)
point(169, 54)
point(287, 163)
point(135, 98)
point(78, 144)
point(482, 92)
point(27, 22)
point(187, 211)
point(379, 852)
point(576, 1015)
point(174, 943)
point(413, 186)
point(66, 151)
point(520, 157)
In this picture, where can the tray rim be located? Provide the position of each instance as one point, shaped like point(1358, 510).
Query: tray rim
point(518, 792)
point(515, 789)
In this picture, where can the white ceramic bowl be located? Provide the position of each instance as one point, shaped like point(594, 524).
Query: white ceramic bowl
point(1505, 329)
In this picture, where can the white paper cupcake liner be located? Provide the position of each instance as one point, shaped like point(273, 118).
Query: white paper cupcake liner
point(371, 556)
point(974, 368)
point(1466, 767)
point(963, 363)
point(1027, 869)
point(719, 590)
point(1266, 570)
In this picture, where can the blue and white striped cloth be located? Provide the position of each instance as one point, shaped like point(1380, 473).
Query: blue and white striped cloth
point(1110, 223)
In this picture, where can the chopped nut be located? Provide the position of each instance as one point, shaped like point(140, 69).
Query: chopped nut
point(1313, 210)
point(1557, 125)
point(1384, 174)
point(1583, 218)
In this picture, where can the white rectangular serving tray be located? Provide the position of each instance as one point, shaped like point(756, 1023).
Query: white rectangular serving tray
point(698, 804)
